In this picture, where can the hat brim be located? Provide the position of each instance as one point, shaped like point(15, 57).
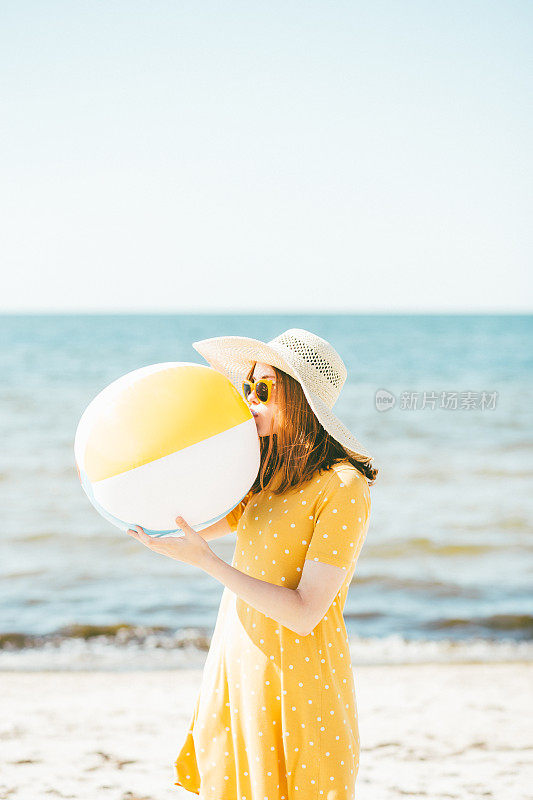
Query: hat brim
point(234, 357)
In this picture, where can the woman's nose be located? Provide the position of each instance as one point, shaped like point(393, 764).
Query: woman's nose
point(252, 397)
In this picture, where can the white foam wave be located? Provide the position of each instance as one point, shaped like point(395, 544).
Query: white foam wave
point(156, 652)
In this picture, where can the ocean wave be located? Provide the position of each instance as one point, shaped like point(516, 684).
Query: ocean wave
point(119, 635)
point(126, 648)
point(426, 587)
point(425, 546)
point(520, 625)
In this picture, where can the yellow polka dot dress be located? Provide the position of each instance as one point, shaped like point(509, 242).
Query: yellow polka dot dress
point(276, 715)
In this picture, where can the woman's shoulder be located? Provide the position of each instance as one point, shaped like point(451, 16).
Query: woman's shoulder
point(343, 473)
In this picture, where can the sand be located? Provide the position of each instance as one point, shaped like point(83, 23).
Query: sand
point(427, 731)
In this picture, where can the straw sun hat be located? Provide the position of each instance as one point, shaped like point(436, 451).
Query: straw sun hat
point(308, 358)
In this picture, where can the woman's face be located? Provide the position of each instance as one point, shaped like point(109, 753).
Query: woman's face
point(263, 412)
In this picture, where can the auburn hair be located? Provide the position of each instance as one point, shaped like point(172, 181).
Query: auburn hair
point(301, 446)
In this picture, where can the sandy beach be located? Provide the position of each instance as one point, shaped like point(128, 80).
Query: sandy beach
point(427, 730)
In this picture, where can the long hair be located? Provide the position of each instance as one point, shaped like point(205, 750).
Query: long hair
point(301, 446)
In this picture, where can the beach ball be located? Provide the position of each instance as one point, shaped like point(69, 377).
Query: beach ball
point(167, 440)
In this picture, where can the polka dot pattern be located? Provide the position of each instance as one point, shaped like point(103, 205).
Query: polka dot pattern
point(341, 521)
point(276, 715)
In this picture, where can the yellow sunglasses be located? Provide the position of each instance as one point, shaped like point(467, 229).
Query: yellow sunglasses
point(263, 389)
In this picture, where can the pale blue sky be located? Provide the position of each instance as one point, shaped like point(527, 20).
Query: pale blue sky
point(280, 156)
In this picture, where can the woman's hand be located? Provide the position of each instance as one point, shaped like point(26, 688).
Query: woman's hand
point(190, 548)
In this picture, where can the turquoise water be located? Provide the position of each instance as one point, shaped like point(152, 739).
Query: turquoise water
point(448, 556)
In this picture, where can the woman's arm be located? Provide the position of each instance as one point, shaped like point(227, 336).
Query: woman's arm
point(277, 602)
point(215, 531)
point(280, 603)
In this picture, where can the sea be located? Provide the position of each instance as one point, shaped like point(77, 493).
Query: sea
point(444, 404)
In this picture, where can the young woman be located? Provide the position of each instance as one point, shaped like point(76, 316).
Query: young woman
point(276, 715)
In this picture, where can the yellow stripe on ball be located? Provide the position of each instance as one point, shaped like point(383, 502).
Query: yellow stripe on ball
point(158, 407)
